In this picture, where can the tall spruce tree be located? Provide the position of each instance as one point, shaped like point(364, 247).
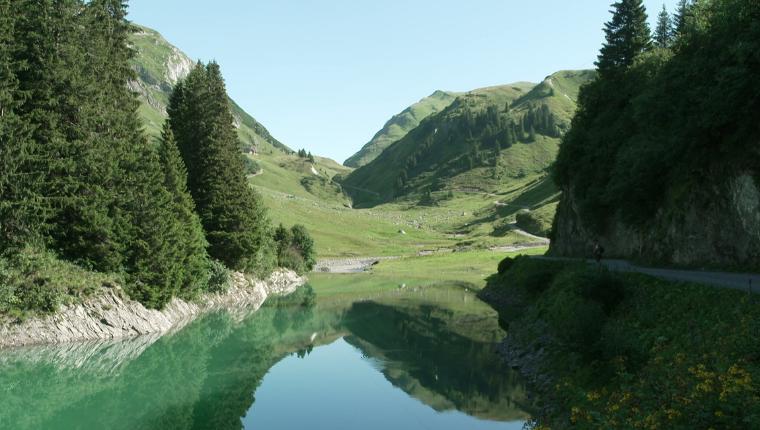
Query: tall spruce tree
point(93, 224)
point(681, 17)
point(48, 55)
point(156, 252)
point(627, 35)
point(17, 214)
point(159, 254)
point(663, 34)
point(231, 212)
point(194, 258)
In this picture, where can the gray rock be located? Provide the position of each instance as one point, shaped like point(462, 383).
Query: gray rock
point(111, 315)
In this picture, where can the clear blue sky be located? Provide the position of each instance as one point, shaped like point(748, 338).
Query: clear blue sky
point(326, 75)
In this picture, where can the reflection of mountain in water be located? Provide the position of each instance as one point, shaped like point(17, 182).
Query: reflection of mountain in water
point(421, 353)
point(205, 375)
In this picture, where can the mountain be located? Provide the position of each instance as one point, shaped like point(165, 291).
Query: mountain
point(159, 66)
point(481, 141)
point(401, 124)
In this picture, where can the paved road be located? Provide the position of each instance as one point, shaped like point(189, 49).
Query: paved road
point(749, 282)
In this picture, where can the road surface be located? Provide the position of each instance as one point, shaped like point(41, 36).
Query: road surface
point(749, 282)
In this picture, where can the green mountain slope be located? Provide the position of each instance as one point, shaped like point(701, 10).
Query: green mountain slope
point(482, 141)
point(401, 124)
point(159, 65)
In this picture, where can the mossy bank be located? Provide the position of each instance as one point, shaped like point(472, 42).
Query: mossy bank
point(605, 350)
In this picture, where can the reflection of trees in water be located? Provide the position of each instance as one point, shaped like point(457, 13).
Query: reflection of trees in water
point(422, 354)
point(205, 375)
point(200, 377)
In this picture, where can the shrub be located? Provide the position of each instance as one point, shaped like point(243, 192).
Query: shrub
point(505, 265)
point(38, 295)
point(575, 320)
point(34, 280)
point(220, 278)
point(251, 166)
point(8, 299)
point(599, 286)
point(532, 275)
point(603, 287)
point(295, 248)
point(578, 305)
point(528, 222)
point(290, 258)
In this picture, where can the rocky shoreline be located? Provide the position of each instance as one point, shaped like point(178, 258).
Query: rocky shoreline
point(111, 315)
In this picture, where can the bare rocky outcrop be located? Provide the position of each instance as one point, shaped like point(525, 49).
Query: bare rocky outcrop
point(111, 315)
point(720, 225)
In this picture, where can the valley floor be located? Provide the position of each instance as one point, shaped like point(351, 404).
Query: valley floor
point(462, 221)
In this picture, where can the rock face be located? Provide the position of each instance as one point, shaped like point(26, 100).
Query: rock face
point(111, 315)
point(718, 226)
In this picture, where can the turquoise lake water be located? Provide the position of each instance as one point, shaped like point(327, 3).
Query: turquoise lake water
point(412, 361)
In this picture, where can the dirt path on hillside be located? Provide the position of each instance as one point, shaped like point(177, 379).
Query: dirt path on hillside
point(522, 232)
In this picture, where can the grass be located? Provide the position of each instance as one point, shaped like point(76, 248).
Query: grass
point(465, 269)
point(401, 124)
point(467, 220)
point(35, 282)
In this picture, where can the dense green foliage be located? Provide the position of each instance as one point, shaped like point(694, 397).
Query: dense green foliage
point(192, 262)
point(627, 35)
point(295, 248)
point(629, 351)
point(81, 179)
point(34, 280)
point(232, 214)
point(667, 125)
point(82, 190)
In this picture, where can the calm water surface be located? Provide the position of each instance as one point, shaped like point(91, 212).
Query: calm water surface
point(420, 360)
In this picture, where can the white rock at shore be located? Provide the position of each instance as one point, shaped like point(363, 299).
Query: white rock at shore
point(111, 315)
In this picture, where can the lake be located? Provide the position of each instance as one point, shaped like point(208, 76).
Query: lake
point(399, 360)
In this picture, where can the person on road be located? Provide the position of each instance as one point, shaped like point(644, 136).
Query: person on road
point(598, 252)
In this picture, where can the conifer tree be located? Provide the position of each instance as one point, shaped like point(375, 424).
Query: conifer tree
point(194, 258)
point(155, 255)
point(75, 168)
point(16, 214)
point(48, 60)
point(231, 212)
point(627, 35)
point(663, 35)
point(681, 17)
